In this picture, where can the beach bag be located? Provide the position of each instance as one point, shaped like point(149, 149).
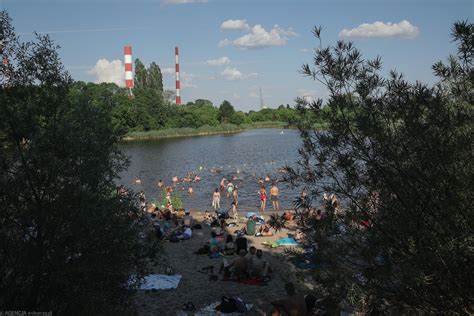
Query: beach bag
point(228, 305)
point(204, 250)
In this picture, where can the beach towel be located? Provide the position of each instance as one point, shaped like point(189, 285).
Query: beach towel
point(160, 282)
point(287, 242)
point(271, 244)
point(210, 310)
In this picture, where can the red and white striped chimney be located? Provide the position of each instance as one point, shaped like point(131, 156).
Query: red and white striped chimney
point(127, 50)
point(178, 97)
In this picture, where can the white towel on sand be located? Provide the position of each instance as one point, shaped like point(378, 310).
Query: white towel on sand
point(211, 311)
point(160, 282)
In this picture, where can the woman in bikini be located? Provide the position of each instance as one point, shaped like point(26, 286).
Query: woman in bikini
point(263, 198)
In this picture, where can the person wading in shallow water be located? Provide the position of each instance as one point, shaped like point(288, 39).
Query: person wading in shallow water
point(274, 197)
point(216, 199)
point(263, 198)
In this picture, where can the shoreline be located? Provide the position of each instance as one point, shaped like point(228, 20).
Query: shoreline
point(196, 132)
point(206, 131)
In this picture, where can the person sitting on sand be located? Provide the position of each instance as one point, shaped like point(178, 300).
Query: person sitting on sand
point(249, 257)
point(264, 231)
point(288, 216)
point(241, 243)
point(292, 305)
point(299, 236)
point(259, 267)
point(187, 232)
point(229, 247)
point(237, 269)
point(188, 220)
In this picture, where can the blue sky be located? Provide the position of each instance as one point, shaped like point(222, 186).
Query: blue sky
point(229, 49)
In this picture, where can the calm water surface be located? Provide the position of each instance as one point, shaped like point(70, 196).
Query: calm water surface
point(248, 155)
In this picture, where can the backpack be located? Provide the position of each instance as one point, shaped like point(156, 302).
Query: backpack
point(228, 305)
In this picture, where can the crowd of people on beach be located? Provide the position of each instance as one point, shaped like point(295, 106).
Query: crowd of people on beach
point(238, 261)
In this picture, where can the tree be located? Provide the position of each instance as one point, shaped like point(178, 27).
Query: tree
point(154, 78)
point(141, 75)
point(399, 158)
point(203, 102)
point(226, 110)
point(169, 96)
point(237, 118)
point(68, 243)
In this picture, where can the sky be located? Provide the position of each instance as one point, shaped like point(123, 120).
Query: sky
point(232, 49)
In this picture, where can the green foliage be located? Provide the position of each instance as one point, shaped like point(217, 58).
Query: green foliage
point(226, 111)
point(140, 75)
point(276, 222)
point(155, 79)
point(176, 200)
point(399, 158)
point(68, 243)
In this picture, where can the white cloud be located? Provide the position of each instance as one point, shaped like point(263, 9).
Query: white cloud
point(308, 95)
point(305, 50)
point(187, 80)
point(235, 25)
point(167, 71)
point(182, 1)
point(259, 38)
point(403, 29)
point(108, 71)
point(235, 74)
point(219, 61)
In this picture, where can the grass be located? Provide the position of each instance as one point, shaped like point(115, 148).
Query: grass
point(202, 131)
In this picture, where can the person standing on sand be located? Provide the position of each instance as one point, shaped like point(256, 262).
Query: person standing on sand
point(216, 199)
point(274, 197)
point(263, 198)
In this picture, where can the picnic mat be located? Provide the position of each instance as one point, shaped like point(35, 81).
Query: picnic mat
point(160, 282)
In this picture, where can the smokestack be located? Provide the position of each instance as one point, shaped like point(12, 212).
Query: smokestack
point(127, 50)
point(178, 97)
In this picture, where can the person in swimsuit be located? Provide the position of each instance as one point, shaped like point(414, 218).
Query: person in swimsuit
point(274, 197)
point(263, 198)
point(222, 186)
point(230, 188)
point(216, 199)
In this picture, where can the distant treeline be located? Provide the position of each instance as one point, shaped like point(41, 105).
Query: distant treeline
point(153, 109)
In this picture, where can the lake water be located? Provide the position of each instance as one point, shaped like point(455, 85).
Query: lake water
point(248, 155)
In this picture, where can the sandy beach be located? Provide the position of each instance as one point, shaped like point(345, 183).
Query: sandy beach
point(201, 291)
